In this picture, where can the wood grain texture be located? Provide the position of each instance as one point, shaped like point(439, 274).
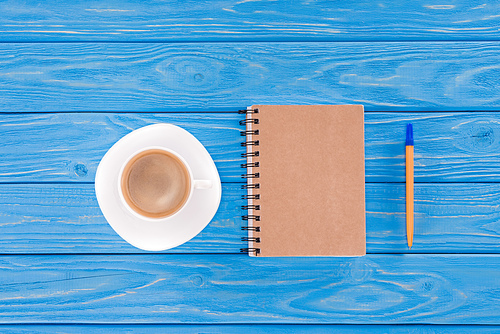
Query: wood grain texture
point(64, 218)
point(67, 147)
point(224, 20)
point(224, 76)
point(449, 147)
point(248, 328)
point(239, 289)
point(449, 218)
point(445, 59)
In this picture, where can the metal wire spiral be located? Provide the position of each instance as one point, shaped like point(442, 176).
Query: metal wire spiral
point(254, 153)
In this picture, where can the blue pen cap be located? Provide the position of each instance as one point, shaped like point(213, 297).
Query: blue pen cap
point(409, 134)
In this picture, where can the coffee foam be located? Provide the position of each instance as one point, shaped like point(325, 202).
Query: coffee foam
point(155, 183)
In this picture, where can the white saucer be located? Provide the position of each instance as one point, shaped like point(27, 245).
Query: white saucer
point(168, 232)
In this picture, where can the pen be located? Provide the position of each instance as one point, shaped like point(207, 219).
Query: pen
point(409, 184)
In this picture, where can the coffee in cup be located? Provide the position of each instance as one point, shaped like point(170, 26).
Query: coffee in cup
point(156, 183)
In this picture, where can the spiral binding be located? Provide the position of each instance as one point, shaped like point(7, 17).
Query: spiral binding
point(250, 119)
point(249, 132)
point(250, 239)
point(251, 228)
point(250, 143)
point(251, 207)
point(250, 154)
point(250, 176)
point(252, 164)
point(250, 186)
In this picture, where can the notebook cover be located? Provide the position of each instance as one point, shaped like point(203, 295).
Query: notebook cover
point(312, 180)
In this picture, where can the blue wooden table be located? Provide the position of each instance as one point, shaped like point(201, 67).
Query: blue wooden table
point(77, 76)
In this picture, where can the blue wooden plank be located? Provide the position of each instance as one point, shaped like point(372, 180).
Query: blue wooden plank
point(67, 147)
point(387, 289)
point(237, 328)
point(449, 147)
point(449, 218)
point(224, 20)
point(65, 218)
point(224, 76)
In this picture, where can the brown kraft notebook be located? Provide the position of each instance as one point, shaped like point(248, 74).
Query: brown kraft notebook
point(305, 180)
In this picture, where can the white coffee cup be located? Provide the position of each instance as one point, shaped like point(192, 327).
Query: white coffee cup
point(156, 183)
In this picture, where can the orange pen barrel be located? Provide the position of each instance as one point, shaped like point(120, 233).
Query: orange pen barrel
point(409, 195)
point(409, 184)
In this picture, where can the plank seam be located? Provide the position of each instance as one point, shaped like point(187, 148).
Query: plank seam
point(252, 41)
point(413, 253)
point(5, 324)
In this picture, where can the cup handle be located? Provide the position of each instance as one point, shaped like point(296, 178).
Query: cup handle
point(202, 184)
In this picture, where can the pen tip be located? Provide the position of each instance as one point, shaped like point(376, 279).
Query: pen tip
point(409, 134)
